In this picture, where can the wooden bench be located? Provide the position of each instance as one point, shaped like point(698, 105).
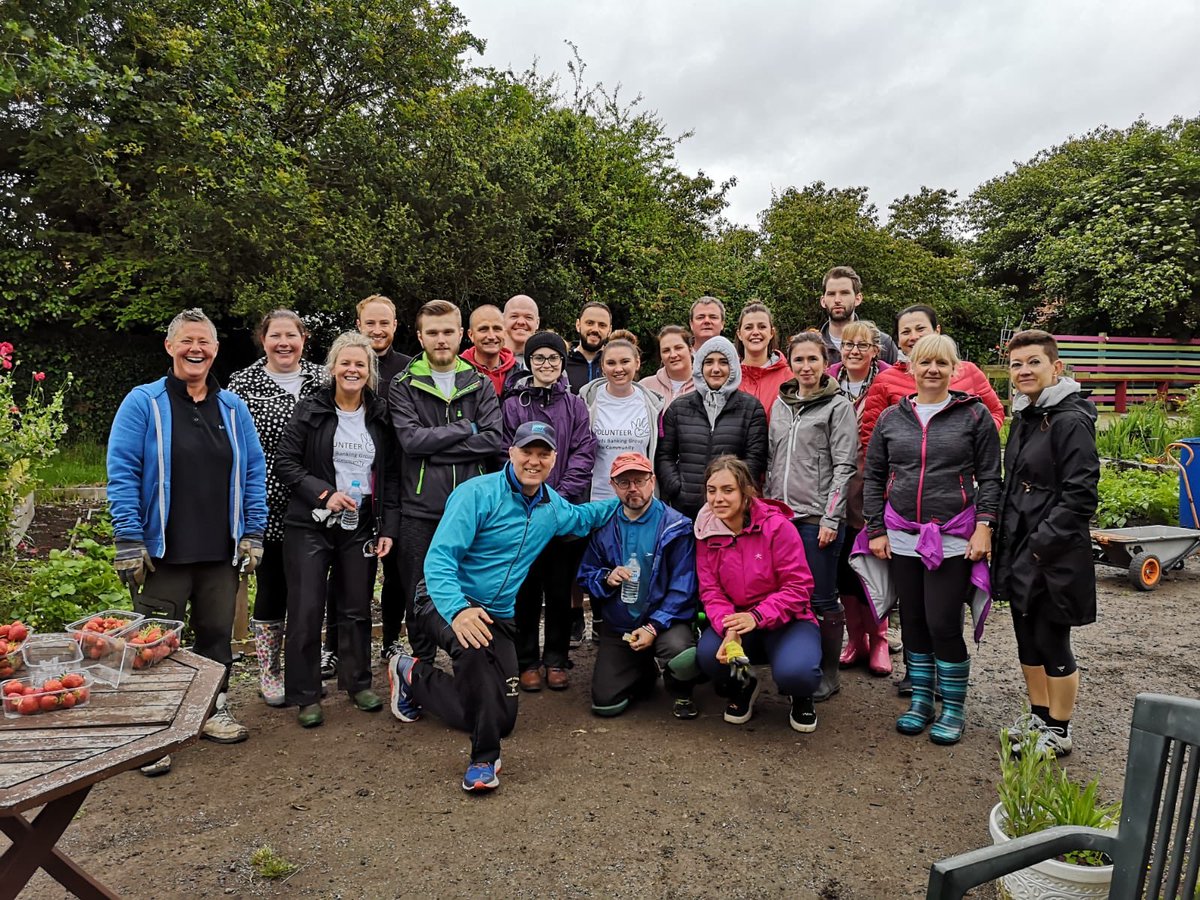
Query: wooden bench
point(1124, 370)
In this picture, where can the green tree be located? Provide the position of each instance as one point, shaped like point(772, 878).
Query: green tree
point(929, 219)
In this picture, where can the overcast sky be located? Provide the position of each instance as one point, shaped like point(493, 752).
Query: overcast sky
point(891, 94)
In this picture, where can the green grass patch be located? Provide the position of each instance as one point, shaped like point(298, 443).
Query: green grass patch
point(74, 465)
point(269, 864)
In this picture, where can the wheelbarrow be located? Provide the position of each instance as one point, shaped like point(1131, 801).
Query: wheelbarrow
point(1145, 552)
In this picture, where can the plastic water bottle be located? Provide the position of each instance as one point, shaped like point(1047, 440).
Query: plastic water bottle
point(629, 589)
point(350, 516)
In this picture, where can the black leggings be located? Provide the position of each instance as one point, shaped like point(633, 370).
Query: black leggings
point(1041, 642)
point(931, 605)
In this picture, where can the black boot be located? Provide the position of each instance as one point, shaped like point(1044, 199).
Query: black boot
point(832, 627)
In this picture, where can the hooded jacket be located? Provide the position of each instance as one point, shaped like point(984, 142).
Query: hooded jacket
point(691, 440)
point(580, 370)
point(671, 596)
point(444, 441)
point(762, 571)
point(271, 407)
point(763, 381)
point(813, 452)
point(489, 537)
point(898, 382)
point(139, 468)
point(660, 383)
point(568, 415)
point(931, 473)
point(304, 461)
point(1052, 472)
point(499, 375)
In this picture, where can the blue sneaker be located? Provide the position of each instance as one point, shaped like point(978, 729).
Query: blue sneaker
point(399, 670)
point(482, 776)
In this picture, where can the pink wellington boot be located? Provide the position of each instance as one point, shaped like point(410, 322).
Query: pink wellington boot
point(857, 643)
point(880, 662)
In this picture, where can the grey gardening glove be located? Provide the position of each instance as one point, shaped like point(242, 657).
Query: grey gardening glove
point(250, 551)
point(133, 559)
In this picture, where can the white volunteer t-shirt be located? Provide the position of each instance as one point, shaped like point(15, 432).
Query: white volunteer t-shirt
point(353, 451)
point(290, 382)
point(905, 544)
point(621, 425)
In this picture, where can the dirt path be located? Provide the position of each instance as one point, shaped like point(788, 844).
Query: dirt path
point(639, 806)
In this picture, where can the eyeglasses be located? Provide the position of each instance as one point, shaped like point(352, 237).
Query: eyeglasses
point(626, 483)
point(542, 362)
point(861, 346)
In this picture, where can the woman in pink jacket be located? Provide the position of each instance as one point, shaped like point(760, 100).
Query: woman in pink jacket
point(756, 588)
point(764, 367)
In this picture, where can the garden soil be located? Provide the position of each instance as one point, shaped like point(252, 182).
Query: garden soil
point(638, 806)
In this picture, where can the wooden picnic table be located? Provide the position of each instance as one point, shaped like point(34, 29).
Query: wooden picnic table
point(53, 759)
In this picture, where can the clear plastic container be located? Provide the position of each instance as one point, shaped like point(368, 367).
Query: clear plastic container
point(50, 654)
point(150, 641)
point(30, 697)
point(11, 660)
point(104, 650)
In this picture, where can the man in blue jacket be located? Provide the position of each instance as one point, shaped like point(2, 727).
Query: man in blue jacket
point(493, 529)
point(188, 496)
point(641, 567)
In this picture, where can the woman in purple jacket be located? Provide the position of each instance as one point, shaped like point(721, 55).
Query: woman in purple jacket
point(756, 589)
point(544, 396)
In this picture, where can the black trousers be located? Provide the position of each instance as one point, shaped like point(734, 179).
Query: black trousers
point(210, 590)
point(321, 561)
point(270, 598)
point(391, 598)
point(413, 543)
point(622, 674)
point(932, 604)
point(480, 698)
point(550, 579)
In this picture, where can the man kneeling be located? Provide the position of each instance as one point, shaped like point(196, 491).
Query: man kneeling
point(641, 566)
point(493, 529)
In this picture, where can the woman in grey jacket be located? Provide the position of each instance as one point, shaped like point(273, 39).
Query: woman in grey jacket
point(813, 446)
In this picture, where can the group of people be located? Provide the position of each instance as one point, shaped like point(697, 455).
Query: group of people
point(751, 502)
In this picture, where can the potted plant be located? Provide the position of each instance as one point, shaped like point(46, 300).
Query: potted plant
point(1035, 793)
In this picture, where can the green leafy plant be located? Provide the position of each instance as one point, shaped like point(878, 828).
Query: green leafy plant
point(30, 429)
point(270, 864)
point(1137, 497)
point(1036, 794)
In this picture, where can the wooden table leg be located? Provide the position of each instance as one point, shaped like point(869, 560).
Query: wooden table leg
point(33, 847)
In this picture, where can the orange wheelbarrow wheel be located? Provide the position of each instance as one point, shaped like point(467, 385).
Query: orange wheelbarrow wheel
point(1145, 571)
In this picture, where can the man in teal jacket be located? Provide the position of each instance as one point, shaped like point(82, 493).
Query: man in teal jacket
point(493, 529)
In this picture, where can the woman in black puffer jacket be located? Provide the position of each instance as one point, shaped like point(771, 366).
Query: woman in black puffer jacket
point(714, 420)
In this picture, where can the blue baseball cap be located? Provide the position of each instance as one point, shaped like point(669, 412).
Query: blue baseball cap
point(531, 432)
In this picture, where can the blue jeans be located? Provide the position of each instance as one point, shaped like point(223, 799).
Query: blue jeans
point(793, 652)
point(823, 563)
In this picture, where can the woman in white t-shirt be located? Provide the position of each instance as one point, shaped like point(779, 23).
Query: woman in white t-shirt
point(674, 376)
point(339, 442)
point(271, 388)
point(624, 413)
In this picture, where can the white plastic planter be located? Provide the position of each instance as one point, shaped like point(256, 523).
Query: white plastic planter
point(1050, 879)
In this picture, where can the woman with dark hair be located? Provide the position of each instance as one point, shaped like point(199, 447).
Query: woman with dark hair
point(912, 324)
point(338, 456)
point(931, 492)
point(755, 586)
point(714, 420)
point(764, 368)
point(271, 388)
point(1043, 561)
point(813, 456)
point(674, 376)
point(545, 396)
point(624, 413)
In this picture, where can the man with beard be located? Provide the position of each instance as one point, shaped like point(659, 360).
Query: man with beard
point(448, 424)
point(487, 352)
point(377, 322)
point(706, 320)
point(594, 325)
point(521, 320)
point(841, 298)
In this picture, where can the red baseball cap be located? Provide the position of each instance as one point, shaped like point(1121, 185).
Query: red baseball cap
point(630, 462)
